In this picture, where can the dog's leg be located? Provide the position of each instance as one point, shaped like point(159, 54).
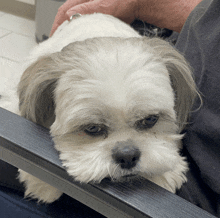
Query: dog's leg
point(37, 189)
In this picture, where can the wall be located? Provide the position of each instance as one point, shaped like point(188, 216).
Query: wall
point(19, 8)
point(31, 2)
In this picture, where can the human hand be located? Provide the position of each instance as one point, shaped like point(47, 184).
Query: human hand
point(170, 14)
point(124, 10)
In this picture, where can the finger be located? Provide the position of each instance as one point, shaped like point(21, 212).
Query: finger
point(61, 14)
point(54, 27)
point(71, 3)
point(123, 10)
point(87, 8)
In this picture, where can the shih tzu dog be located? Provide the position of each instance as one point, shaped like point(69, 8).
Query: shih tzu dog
point(115, 103)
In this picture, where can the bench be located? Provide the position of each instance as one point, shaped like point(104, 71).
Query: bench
point(29, 147)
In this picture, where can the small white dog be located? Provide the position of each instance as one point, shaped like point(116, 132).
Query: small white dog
point(115, 103)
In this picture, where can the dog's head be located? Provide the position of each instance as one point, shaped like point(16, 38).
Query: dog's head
point(115, 106)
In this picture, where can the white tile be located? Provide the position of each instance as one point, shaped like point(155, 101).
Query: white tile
point(17, 24)
point(16, 47)
point(1, 13)
point(10, 73)
point(4, 32)
point(10, 70)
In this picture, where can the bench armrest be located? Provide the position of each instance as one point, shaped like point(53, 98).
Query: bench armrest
point(29, 147)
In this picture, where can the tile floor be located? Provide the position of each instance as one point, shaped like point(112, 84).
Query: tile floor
point(17, 39)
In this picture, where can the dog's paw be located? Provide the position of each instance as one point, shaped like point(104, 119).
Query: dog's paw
point(174, 179)
point(37, 189)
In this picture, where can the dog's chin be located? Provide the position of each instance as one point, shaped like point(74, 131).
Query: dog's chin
point(129, 178)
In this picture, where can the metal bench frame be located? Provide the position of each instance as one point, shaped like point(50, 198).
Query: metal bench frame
point(29, 147)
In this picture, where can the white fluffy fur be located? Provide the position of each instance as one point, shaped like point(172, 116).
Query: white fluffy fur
point(98, 70)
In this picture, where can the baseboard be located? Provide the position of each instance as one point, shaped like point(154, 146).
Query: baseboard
point(18, 8)
point(31, 2)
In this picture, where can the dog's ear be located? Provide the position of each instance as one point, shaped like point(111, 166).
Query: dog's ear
point(35, 91)
point(181, 77)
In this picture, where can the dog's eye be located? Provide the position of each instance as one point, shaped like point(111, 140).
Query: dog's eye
point(147, 122)
point(96, 130)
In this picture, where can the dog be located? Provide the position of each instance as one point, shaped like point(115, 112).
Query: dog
point(115, 103)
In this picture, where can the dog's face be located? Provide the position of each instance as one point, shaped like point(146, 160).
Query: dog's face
point(115, 106)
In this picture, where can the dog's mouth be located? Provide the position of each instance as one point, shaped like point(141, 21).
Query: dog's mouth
point(129, 176)
point(125, 178)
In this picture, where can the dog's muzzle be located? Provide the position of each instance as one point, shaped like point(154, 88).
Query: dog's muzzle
point(126, 154)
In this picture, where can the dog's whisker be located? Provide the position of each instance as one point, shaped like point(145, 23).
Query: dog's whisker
point(114, 174)
point(109, 173)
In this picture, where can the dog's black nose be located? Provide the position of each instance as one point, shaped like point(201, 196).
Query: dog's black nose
point(126, 155)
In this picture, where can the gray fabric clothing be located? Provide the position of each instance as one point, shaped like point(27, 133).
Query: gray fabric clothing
point(199, 42)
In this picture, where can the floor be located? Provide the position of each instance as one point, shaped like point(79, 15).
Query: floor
point(17, 39)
